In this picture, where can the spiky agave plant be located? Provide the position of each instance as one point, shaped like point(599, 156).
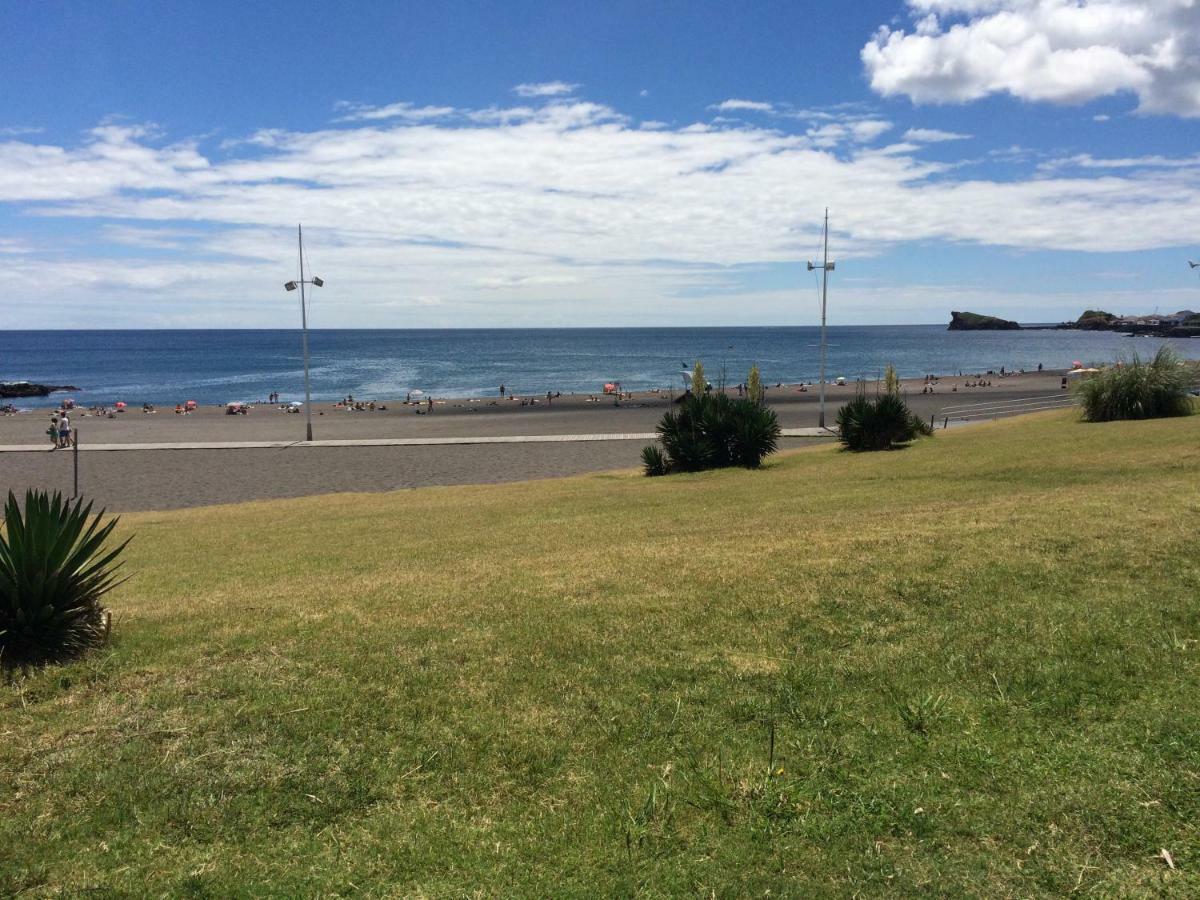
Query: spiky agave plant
point(54, 568)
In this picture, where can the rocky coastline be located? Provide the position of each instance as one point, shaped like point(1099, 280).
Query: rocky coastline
point(11, 390)
point(1184, 323)
point(969, 321)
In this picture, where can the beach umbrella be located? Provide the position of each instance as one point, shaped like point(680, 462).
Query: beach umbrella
point(417, 393)
point(1076, 365)
point(191, 404)
point(296, 403)
point(120, 404)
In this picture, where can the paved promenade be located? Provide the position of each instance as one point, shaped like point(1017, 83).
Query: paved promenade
point(379, 442)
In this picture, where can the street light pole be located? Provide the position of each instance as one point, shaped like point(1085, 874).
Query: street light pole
point(826, 267)
point(304, 341)
point(291, 286)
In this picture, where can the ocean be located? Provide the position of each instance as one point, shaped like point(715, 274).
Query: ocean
point(212, 366)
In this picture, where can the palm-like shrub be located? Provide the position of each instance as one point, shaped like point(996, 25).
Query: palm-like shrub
point(653, 461)
point(882, 422)
point(54, 569)
point(714, 431)
point(1140, 390)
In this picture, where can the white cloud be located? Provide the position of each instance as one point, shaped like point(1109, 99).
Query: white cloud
point(1061, 51)
point(861, 131)
point(545, 89)
point(536, 212)
point(14, 246)
point(933, 135)
point(19, 130)
point(361, 112)
point(735, 105)
point(1087, 161)
point(1101, 118)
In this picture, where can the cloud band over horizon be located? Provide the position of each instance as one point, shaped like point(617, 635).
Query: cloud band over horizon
point(542, 210)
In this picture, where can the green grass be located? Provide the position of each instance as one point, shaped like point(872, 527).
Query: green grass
point(968, 667)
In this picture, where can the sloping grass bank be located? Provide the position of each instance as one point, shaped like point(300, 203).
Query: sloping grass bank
point(968, 667)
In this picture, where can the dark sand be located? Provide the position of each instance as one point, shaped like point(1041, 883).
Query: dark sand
point(457, 418)
point(169, 479)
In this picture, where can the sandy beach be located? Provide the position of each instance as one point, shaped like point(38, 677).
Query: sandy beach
point(575, 414)
point(166, 479)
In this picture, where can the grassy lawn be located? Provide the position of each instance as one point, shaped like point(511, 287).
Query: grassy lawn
point(968, 667)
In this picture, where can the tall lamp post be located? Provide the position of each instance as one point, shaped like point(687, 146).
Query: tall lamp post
point(826, 267)
point(291, 286)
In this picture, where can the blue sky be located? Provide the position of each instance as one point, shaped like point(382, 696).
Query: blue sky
point(597, 164)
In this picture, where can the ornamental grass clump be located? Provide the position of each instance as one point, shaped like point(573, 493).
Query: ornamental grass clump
point(1138, 390)
point(713, 431)
point(882, 422)
point(54, 568)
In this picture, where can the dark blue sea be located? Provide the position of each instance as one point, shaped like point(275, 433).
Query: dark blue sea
point(221, 366)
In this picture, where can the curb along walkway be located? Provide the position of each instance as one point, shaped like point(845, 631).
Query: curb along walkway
point(378, 442)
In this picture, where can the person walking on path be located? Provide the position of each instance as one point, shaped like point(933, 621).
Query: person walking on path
point(64, 431)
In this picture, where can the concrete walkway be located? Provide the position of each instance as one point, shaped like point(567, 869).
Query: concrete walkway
point(380, 442)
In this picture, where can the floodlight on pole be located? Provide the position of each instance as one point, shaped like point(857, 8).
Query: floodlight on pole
point(826, 266)
point(291, 286)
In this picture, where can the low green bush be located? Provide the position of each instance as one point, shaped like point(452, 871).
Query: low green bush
point(713, 431)
point(54, 569)
point(882, 422)
point(1138, 390)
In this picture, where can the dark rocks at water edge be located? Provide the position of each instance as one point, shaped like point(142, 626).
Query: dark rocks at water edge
point(969, 321)
point(12, 389)
point(1184, 323)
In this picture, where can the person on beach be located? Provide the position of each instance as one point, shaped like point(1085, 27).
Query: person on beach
point(53, 431)
point(64, 431)
point(501, 392)
point(429, 408)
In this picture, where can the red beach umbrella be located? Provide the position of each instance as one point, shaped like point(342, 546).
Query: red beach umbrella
point(120, 404)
